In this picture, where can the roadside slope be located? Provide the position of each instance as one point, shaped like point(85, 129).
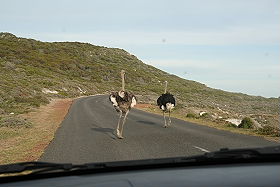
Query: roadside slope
point(28, 143)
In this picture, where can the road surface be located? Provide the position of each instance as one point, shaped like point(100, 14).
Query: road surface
point(87, 135)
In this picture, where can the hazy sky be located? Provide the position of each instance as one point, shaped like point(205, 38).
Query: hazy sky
point(232, 45)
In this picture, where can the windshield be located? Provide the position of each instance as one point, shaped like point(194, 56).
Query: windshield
point(101, 81)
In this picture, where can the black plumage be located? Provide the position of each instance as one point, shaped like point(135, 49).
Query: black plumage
point(164, 99)
point(166, 103)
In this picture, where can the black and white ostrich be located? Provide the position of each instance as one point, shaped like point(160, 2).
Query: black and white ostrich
point(166, 103)
point(122, 101)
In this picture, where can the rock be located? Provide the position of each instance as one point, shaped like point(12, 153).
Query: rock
point(201, 113)
point(234, 121)
point(46, 91)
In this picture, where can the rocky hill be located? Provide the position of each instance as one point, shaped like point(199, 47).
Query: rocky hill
point(32, 72)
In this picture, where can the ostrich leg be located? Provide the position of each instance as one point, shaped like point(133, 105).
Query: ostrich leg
point(165, 125)
point(118, 126)
point(169, 118)
point(124, 119)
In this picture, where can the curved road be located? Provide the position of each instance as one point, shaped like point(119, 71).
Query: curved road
point(86, 135)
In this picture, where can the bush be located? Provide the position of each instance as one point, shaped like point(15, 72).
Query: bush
point(191, 115)
point(269, 130)
point(14, 122)
point(231, 125)
point(36, 100)
point(246, 123)
point(63, 93)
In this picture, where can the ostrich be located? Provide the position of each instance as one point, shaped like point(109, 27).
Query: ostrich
point(166, 103)
point(122, 101)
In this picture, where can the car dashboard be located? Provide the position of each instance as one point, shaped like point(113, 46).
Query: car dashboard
point(253, 174)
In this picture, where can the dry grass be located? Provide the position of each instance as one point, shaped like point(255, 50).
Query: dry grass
point(28, 144)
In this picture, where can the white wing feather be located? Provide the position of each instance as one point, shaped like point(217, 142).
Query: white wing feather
point(133, 102)
point(113, 100)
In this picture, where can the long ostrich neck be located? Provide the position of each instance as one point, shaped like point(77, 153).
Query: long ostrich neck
point(165, 89)
point(122, 81)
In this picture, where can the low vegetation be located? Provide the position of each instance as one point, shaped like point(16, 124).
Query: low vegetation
point(246, 123)
point(33, 72)
point(191, 115)
point(14, 122)
point(269, 131)
point(69, 69)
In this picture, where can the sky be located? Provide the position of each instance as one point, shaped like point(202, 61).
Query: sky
point(233, 45)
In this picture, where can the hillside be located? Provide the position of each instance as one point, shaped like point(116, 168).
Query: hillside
point(32, 72)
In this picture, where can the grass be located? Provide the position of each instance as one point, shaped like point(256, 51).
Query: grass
point(269, 131)
point(14, 122)
point(6, 133)
point(27, 144)
point(13, 145)
point(191, 115)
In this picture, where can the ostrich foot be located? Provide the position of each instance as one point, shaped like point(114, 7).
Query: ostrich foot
point(120, 137)
point(119, 134)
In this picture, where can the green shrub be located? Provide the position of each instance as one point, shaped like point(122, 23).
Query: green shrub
point(191, 115)
point(14, 122)
point(36, 100)
point(246, 123)
point(46, 83)
point(231, 125)
point(63, 93)
point(269, 130)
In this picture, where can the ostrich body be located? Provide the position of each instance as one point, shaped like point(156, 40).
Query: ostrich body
point(166, 103)
point(122, 101)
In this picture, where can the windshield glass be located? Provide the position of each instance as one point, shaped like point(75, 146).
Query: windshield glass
point(98, 81)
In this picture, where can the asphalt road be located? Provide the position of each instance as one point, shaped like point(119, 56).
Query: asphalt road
point(86, 135)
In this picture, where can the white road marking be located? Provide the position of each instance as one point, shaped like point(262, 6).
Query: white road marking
point(201, 149)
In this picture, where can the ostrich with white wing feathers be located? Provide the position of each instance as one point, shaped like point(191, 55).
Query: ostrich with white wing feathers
point(122, 101)
point(166, 103)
